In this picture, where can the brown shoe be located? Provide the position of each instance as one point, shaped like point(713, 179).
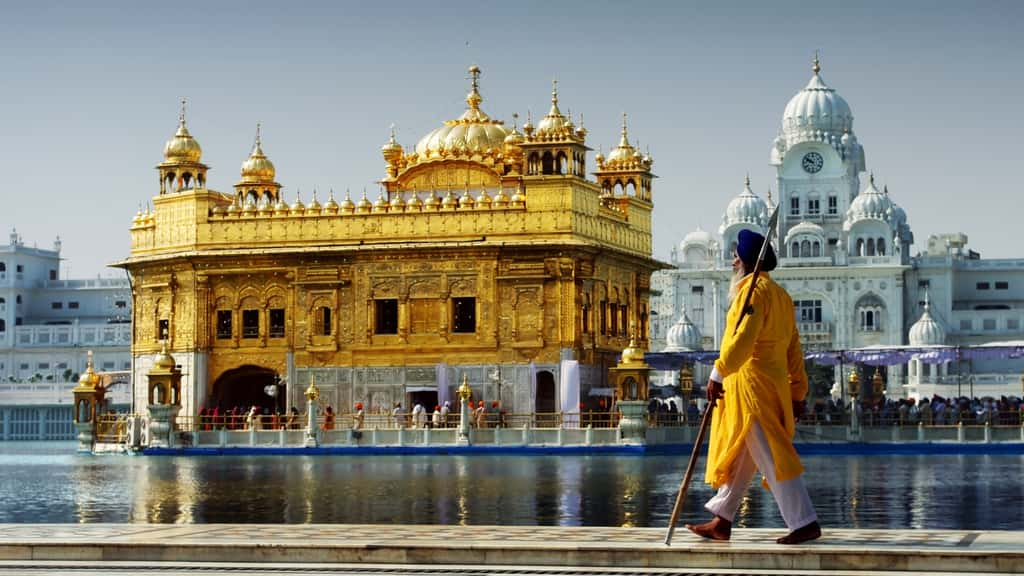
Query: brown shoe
point(803, 534)
point(717, 529)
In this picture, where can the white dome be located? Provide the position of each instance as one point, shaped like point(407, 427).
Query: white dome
point(699, 237)
point(683, 335)
point(817, 108)
point(806, 227)
point(927, 331)
point(747, 208)
point(871, 204)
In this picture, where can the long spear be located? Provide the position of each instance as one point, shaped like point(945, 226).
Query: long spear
point(706, 420)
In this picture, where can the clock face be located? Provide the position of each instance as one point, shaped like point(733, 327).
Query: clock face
point(812, 162)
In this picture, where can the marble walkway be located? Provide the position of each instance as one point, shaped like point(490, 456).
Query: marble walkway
point(421, 549)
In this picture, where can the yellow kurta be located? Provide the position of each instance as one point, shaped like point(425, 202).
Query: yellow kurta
point(763, 371)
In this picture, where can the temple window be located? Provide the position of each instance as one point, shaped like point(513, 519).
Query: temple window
point(162, 329)
point(386, 316)
point(464, 315)
point(833, 205)
point(604, 317)
point(813, 206)
point(323, 321)
point(276, 323)
point(223, 324)
point(794, 206)
point(250, 323)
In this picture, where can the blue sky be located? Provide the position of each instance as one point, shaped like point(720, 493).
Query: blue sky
point(91, 90)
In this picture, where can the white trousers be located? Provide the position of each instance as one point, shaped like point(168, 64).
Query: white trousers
point(791, 495)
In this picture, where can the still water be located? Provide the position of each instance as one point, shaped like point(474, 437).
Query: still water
point(48, 482)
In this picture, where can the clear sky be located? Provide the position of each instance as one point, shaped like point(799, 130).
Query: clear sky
point(90, 93)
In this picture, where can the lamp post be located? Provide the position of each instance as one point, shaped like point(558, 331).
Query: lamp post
point(464, 393)
point(312, 395)
point(854, 386)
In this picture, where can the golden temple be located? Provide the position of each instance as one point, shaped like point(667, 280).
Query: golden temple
point(487, 253)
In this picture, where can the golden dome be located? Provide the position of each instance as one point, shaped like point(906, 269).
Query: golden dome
point(624, 153)
point(449, 202)
point(164, 361)
point(519, 199)
point(298, 207)
point(331, 207)
point(554, 125)
point(501, 199)
point(472, 133)
point(433, 202)
point(414, 203)
point(314, 207)
point(182, 147)
point(257, 168)
point(381, 204)
point(398, 203)
point(364, 204)
point(392, 150)
point(466, 201)
point(632, 354)
point(281, 207)
point(347, 205)
point(89, 378)
point(483, 201)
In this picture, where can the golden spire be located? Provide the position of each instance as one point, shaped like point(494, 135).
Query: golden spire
point(473, 98)
point(624, 140)
point(817, 64)
point(181, 115)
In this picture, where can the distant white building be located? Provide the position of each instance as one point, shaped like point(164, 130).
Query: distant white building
point(844, 256)
point(47, 324)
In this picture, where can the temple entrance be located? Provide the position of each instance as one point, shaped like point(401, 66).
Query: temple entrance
point(427, 398)
point(544, 401)
point(247, 386)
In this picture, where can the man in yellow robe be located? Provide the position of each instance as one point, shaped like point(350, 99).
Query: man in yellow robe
point(759, 384)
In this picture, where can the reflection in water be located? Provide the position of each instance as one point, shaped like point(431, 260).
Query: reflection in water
point(48, 482)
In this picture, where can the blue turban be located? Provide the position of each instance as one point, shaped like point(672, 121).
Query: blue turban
point(748, 247)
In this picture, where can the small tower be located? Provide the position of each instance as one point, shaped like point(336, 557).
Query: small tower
point(257, 185)
point(556, 147)
point(392, 152)
point(88, 399)
point(625, 171)
point(164, 385)
point(181, 168)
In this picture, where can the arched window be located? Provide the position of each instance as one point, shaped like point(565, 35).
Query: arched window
point(860, 247)
point(3, 267)
point(870, 310)
point(3, 301)
point(816, 249)
point(323, 321)
point(547, 163)
point(3, 325)
point(795, 251)
point(880, 247)
point(805, 249)
point(871, 247)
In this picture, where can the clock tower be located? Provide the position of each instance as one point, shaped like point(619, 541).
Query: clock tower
point(818, 162)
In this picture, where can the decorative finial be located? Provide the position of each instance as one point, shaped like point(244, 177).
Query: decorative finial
point(746, 181)
point(392, 132)
point(769, 196)
point(181, 116)
point(347, 195)
point(331, 197)
point(624, 125)
point(871, 178)
point(554, 91)
point(581, 120)
point(885, 189)
point(88, 355)
point(529, 117)
point(926, 304)
point(515, 121)
point(817, 64)
point(474, 98)
point(474, 71)
point(259, 128)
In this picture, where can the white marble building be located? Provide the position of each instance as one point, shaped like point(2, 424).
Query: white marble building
point(845, 257)
point(47, 324)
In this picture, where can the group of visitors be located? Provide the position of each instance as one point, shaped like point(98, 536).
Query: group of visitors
point(252, 418)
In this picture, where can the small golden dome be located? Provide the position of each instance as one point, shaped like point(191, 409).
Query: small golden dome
point(449, 202)
point(483, 201)
point(89, 378)
point(397, 202)
point(182, 147)
point(257, 168)
point(623, 155)
point(519, 198)
point(466, 201)
point(554, 125)
point(281, 207)
point(501, 199)
point(364, 205)
point(232, 208)
point(347, 205)
point(433, 202)
point(392, 150)
point(381, 203)
point(632, 354)
point(298, 207)
point(314, 207)
point(164, 361)
point(414, 204)
point(514, 138)
point(331, 207)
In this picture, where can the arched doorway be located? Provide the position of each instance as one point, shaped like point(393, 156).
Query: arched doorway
point(544, 400)
point(246, 386)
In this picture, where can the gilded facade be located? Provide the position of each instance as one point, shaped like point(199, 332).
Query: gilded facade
point(487, 252)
